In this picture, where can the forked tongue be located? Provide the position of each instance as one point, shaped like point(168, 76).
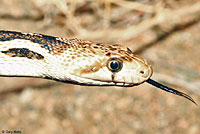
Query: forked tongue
point(171, 90)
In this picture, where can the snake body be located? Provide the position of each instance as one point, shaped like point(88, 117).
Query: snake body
point(73, 61)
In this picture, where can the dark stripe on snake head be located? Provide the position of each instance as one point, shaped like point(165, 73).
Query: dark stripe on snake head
point(23, 52)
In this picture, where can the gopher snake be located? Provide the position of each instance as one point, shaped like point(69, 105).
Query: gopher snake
point(73, 61)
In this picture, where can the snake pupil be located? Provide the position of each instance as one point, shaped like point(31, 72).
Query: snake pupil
point(114, 65)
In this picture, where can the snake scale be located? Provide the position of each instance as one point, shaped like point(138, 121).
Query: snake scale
point(74, 61)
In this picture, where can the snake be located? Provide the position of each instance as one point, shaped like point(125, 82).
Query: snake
point(74, 61)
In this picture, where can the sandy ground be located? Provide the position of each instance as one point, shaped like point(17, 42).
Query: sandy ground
point(37, 106)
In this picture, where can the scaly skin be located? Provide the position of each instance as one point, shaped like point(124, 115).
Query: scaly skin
point(74, 61)
point(71, 60)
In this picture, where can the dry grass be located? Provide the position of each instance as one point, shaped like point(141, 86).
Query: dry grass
point(164, 32)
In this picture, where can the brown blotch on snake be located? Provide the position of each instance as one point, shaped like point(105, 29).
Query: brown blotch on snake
point(91, 69)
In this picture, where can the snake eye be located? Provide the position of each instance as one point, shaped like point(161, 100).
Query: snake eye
point(114, 65)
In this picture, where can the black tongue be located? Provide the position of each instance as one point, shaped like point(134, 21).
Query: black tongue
point(168, 89)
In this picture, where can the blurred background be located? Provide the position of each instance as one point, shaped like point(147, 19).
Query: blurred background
point(165, 32)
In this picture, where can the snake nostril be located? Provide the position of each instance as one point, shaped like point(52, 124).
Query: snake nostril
point(142, 72)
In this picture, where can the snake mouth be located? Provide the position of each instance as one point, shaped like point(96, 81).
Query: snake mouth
point(96, 82)
point(90, 82)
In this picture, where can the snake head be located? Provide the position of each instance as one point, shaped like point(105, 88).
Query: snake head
point(111, 65)
point(129, 70)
